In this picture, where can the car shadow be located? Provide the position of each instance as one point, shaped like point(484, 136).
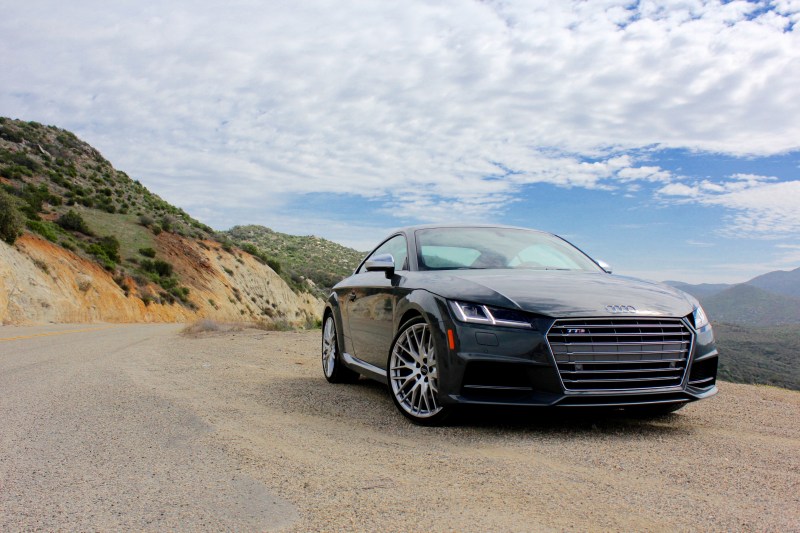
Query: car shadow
point(558, 421)
point(368, 402)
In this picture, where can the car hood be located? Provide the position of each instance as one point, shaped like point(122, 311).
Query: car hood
point(558, 293)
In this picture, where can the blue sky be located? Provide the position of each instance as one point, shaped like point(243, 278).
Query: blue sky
point(662, 137)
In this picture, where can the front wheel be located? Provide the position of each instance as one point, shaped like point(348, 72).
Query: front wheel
point(413, 373)
point(332, 367)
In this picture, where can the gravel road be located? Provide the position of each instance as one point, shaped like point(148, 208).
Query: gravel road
point(140, 427)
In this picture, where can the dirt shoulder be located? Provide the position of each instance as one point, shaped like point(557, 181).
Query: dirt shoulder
point(346, 458)
point(339, 457)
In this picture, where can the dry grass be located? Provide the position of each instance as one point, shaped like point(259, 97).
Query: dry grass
point(275, 325)
point(207, 325)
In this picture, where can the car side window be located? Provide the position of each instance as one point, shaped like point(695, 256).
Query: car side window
point(395, 246)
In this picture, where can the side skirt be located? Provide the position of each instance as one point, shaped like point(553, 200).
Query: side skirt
point(364, 368)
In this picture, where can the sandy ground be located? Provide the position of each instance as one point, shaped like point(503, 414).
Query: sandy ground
point(141, 427)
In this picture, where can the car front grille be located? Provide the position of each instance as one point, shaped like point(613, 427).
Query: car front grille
point(612, 354)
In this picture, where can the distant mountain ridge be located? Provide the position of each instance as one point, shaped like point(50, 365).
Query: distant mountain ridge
point(780, 282)
point(748, 305)
point(701, 290)
point(771, 299)
point(757, 327)
point(785, 282)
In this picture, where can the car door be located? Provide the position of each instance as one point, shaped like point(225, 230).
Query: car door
point(370, 305)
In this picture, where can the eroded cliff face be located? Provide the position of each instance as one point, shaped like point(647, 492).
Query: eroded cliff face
point(43, 282)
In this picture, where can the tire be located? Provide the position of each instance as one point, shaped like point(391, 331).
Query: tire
point(413, 375)
point(332, 366)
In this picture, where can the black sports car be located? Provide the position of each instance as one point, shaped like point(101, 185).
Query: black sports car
point(449, 315)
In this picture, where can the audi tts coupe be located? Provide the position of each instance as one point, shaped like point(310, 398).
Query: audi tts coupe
point(491, 315)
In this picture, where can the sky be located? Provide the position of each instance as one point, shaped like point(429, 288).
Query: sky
point(661, 137)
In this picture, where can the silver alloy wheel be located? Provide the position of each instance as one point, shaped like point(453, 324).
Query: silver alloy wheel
point(329, 347)
point(413, 372)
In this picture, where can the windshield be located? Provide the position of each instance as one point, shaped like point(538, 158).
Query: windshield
point(479, 248)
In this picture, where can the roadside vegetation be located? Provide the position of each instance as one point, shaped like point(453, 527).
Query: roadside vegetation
point(212, 326)
point(308, 261)
point(56, 186)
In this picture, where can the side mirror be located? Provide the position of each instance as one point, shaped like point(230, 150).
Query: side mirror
point(381, 263)
point(605, 266)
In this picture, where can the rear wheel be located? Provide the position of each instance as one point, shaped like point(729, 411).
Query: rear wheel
point(332, 367)
point(413, 373)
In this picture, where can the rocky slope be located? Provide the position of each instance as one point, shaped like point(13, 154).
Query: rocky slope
point(84, 242)
point(43, 282)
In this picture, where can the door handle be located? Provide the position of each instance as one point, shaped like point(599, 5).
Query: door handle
point(353, 296)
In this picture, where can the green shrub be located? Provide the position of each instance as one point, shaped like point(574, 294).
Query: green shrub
point(167, 223)
point(34, 198)
point(22, 159)
point(156, 229)
point(261, 257)
point(106, 250)
point(168, 283)
point(181, 293)
point(110, 246)
point(147, 252)
point(73, 221)
point(43, 228)
point(158, 267)
point(275, 265)
point(98, 251)
point(250, 249)
point(10, 218)
point(9, 135)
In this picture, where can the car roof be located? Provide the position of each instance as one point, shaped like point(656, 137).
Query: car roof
point(411, 229)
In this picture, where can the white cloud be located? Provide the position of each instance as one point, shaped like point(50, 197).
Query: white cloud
point(759, 205)
point(768, 209)
point(680, 189)
point(789, 255)
point(432, 108)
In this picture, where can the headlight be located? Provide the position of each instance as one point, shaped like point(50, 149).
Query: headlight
point(700, 319)
point(492, 316)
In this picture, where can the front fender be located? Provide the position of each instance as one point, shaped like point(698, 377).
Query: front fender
point(333, 307)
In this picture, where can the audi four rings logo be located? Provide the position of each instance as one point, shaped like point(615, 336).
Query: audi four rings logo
point(620, 309)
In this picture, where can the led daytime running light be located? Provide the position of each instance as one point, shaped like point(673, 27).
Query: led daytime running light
point(488, 318)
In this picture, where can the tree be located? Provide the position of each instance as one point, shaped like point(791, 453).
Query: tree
point(10, 218)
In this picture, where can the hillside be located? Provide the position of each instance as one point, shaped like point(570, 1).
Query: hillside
point(701, 290)
point(324, 262)
point(780, 282)
point(84, 242)
point(759, 355)
point(748, 305)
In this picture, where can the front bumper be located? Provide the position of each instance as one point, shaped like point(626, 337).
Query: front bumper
point(516, 367)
